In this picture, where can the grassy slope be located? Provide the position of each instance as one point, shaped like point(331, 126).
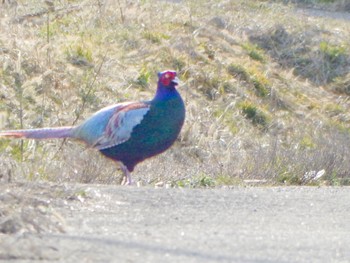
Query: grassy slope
point(266, 88)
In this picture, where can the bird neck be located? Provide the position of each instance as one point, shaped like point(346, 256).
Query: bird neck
point(165, 93)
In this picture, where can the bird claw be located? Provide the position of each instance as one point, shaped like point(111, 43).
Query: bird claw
point(126, 181)
point(127, 177)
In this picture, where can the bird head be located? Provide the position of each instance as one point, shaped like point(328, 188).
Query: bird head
point(166, 78)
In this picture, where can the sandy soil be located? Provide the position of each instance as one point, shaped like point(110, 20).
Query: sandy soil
point(98, 223)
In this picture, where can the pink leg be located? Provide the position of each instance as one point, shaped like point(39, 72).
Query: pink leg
point(127, 177)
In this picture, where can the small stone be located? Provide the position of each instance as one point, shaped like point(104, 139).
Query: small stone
point(159, 185)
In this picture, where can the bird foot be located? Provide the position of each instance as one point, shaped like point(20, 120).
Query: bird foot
point(126, 181)
point(127, 177)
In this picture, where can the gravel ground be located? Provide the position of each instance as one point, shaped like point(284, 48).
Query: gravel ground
point(99, 223)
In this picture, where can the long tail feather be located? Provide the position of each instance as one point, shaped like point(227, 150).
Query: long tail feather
point(44, 133)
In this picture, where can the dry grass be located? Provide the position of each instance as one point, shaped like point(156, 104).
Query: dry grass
point(58, 65)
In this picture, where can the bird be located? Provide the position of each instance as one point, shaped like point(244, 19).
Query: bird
point(127, 132)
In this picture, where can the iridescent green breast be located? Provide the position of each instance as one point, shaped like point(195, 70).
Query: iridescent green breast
point(156, 132)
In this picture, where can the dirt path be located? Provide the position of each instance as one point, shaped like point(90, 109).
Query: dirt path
point(129, 224)
point(311, 12)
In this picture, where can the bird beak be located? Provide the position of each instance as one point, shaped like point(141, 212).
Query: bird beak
point(175, 81)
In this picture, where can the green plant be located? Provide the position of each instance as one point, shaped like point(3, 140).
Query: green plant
point(334, 109)
point(238, 71)
point(144, 77)
point(288, 178)
point(197, 182)
point(206, 181)
point(342, 85)
point(81, 194)
point(253, 76)
point(259, 81)
point(252, 113)
point(254, 51)
point(228, 180)
point(332, 52)
point(83, 53)
point(227, 87)
point(326, 1)
point(260, 86)
point(307, 143)
point(155, 37)
point(79, 55)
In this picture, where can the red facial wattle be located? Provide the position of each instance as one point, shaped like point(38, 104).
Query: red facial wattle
point(168, 77)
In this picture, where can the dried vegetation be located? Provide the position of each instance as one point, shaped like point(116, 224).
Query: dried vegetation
point(266, 88)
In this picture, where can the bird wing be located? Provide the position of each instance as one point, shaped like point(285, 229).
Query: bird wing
point(121, 124)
